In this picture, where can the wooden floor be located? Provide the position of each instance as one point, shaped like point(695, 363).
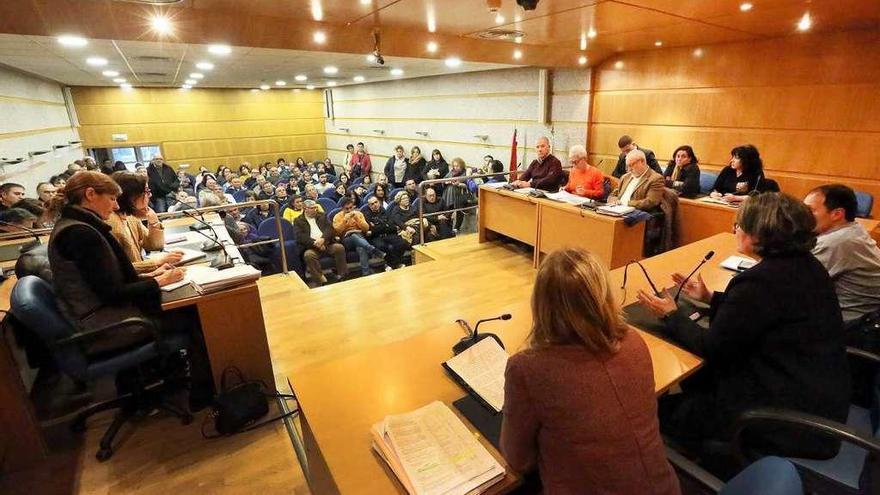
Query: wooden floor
point(304, 327)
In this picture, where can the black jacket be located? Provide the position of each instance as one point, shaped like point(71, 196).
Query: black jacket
point(380, 224)
point(620, 169)
point(689, 175)
point(163, 180)
point(441, 166)
point(776, 340)
point(304, 231)
point(431, 208)
point(389, 171)
point(255, 217)
point(415, 170)
point(727, 181)
point(399, 217)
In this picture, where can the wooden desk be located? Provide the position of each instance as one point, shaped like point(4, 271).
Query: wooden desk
point(548, 225)
point(342, 398)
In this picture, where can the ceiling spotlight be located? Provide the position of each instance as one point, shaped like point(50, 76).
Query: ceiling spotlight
point(96, 61)
point(319, 37)
point(72, 41)
point(280, 83)
point(658, 43)
point(584, 41)
point(331, 83)
point(205, 66)
point(698, 52)
point(317, 10)
point(499, 19)
point(119, 80)
point(518, 39)
point(186, 86)
point(190, 81)
point(396, 72)
point(432, 46)
point(618, 65)
point(591, 33)
point(125, 86)
point(220, 49)
point(301, 77)
point(161, 24)
point(358, 78)
point(366, 2)
point(310, 87)
point(805, 23)
point(196, 75)
point(330, 70)
point(517, 54)
point(110, 73)
point(582, 60)
point(264, 87)
point(452, 62)
point(745, 7)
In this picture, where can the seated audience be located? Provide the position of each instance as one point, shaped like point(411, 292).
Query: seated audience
point(381, 193)
point(185, 201)
point(545, 171)
point(16, 220)
point(356, 194)
point(582, 393)
point(382, 179)
point(336, 193)
point(584, 179)
point(256, 215)
point(233, 185)
point(344, 180)
point(384, 235)
point(417, 163)
point(397, 167)
point(311, 192)
point(741, 176)
point(162, 181)
point(847, 251)
point(626, 144)
point(775, 337)
point(45, 192)
point(58, 181)
point(496, 168)
point(244, 173)
point(295, 209)
point(412, 189)
point(185, 182)
point(43, 217)
point(437, 168)
point(439, 222)
point(329, 168)
point(126, 225)
point(352, 228)
point(641, 187)
point(259, 182)
point(281, 195)
point(315, 237)
point(10, 193)
point(405, 219)
point(683, 172)
point(323, 184)
point(267, 191)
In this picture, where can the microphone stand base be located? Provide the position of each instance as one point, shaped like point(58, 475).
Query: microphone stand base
point(467, 342)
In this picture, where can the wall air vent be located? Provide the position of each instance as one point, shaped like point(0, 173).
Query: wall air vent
point(500, 34)
point(154, 59)
point(151, 2)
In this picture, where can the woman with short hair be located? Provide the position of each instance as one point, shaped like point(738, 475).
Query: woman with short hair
point(580, 401)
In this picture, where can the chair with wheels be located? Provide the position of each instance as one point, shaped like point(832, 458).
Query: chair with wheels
point(767, 476)
point(707, 180)
point(864, 202)
point(34, 304)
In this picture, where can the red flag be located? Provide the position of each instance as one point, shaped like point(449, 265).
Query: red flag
point(513, 157)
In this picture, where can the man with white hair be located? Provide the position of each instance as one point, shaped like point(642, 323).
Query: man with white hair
point(641, 187)
point(545, 172)
point(584, 179)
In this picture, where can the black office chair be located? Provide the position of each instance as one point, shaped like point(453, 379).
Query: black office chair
point(767, 476)
point(33, 304)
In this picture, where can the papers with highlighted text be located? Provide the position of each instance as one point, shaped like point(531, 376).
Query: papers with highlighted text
point(481, 367)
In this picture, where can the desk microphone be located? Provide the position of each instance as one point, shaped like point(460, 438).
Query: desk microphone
point(683, 282)
point(214, 241)
point(648, 277)
point(473, 337)
point(30, 245)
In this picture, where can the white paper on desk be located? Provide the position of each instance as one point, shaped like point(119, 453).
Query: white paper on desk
point(495, 185)
point(482, 367)
point(525, 190)
point(567, 197)
point(175, 285)
point(189, 255)
point(616, 210)
point(438, 454)
point(175, 238)
point(738, 263)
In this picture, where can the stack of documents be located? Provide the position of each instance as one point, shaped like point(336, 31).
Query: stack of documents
point(207, 280)
point(495, 185)
point(433, 453)
point(616, 210)
point(738, 263)
point(567, 197)
point(189, 255)
point(480, 369)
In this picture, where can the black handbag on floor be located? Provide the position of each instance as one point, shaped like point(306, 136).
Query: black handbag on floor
point(240, 404)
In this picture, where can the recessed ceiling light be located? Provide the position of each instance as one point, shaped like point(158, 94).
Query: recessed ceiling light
point(72, 41)
point(125, 86)
point(161, 24)
point(330, 70)
point(296, 90)
point(658, 43)
point(805, 23)
point(358, 78)
point(517, 54)
point(618, 65)
point(317, 11)
point(319, 37)
point(110, 73)
point(119, 80)
point(264, 87)
point(310, 87)
point(591, 33)
point(205, 66)
point(254, 90)
point(396, 72)
point(220, 49)
point(196, 75)
point(698, 52)
point(186, 86)
point(371, 58)
point(745, 7)
point(499, 19)
point(96, 61)
point(280, 83)
point(331, 83)
point(518, 39)
point(190, 81)
point(582, 60)
point(432, 46)
point(366, 2)
point(452, 62)
point(301, 77)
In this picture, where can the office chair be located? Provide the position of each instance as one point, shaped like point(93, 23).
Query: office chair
point(707, 180)
point(865, 202)
point(856, 467)
point(33, 303)
point(767, 476)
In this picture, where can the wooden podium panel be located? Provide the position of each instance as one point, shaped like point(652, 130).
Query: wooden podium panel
point(512, 214)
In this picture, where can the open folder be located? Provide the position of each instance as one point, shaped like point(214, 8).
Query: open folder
point(432, 452)
point(480, 371)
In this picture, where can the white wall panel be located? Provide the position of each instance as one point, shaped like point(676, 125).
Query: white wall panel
point(19, 116)
point(18, 85)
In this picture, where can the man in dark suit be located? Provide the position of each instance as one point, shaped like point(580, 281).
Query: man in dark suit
point(626, 144)
point(315, 238)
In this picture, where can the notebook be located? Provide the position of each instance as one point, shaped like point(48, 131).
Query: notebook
point(432, 452)
point(616, 210)
point(567, 197)
point(480, 370)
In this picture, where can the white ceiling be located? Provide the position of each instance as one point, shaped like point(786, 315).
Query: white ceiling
point(243, 68)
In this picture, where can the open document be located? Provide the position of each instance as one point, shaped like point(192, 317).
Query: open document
point(481, 370)
point(567, 197)
point(206, 279)
point(433, 453)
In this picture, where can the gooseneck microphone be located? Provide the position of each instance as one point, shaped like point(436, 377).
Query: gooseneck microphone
point(685, 281)
point(25, 247)
point(505, 317)
point(648, 277)
point(214, 240)
point(473, 337)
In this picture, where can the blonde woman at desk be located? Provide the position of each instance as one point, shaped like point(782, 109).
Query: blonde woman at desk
point(579, 402)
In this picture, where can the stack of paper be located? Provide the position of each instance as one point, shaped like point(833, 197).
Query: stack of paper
point(481, 370)
point(495, 185)
point(207, 279)
point(717, 201)
point(567, 197)
point(433, 453)
point(738, 263)
point(616, 210)
point(189, 255)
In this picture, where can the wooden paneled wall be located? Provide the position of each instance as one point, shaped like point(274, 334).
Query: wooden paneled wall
point(206, 126)
point(808, 102)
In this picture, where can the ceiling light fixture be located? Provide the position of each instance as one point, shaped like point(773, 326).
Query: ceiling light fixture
point(330, 70)
point(582, 60)
point(254, 90)
point(190, 81)
point(499, 19)
point(452, 62)
point(396, 72)
point(280, 83)
point(517, 54)
point(591, 33)
point(96, 61)
point(319, 37)
point(125, 87)
point(310, 87)
point(618, 65)
point(296, 90)
point(584, 41)
point(358, 78)
point(518, 39)
point(432, 21)
point(745, 7)
point(805, 23)
point(658, 43)
point(264, 87)
point(220, 49)
point(301, 77)
point(119, 80)
point(432, 46)
point(186, 86)
point(331, 83)
point(110, 73)
point(205, 66)
point(161, 24)
point(72, 41)
point(698, 52)
point(366, 2)
point(317, 10)
point(196, 75)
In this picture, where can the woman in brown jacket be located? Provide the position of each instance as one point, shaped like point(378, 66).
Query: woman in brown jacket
point(580, 402)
